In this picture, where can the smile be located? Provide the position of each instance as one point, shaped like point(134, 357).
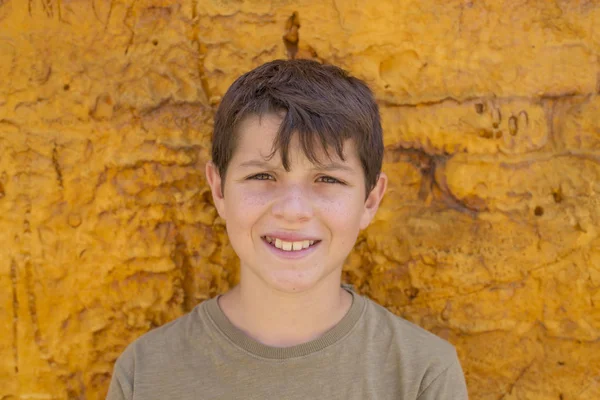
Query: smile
point(290, 246)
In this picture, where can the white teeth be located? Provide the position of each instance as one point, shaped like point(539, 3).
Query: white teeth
point(289, 246)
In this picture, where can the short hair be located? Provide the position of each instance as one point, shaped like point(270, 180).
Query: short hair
point(322, 103)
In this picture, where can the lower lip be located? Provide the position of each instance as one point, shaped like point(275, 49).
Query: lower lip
point(291, 255)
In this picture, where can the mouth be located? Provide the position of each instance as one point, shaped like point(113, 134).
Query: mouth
point(288, 245)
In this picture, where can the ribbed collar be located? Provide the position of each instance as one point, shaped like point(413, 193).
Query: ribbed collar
point(239, 338)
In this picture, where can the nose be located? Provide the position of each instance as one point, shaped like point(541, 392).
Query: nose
point(293, 205)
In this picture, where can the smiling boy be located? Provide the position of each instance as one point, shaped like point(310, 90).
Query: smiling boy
point(295, 174)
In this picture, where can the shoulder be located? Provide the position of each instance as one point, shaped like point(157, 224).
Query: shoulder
point(165, 342)
point(160, 357)
point(415, 349)
point(418, 355)
point(406, 333)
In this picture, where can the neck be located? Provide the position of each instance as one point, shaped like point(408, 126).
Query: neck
point(281, 319)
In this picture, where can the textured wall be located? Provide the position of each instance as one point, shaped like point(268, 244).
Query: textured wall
point(488, 235)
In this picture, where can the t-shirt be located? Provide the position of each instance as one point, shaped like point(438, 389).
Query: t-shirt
point(370, 354)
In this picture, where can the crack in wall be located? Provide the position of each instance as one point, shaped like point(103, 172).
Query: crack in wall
point(431, 188)
point(339, 16)
point(478, 99)
point(549, 106)
point(110, 10)
point(291, 38)
point(595, 381)
point(29, 283)
point(516, 381)
point(201, 49)
point(15, 324)
point(96, 11)
point(128, 15)
point(56, 165)
point(28, 277)
point(48, 7)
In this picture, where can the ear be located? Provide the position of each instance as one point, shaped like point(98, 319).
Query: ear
point(373, 200)
point(216, 187)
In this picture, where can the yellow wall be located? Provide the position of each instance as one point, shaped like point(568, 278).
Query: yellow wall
point(488, 236)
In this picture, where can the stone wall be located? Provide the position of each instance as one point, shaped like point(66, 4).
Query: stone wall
point(488, 235)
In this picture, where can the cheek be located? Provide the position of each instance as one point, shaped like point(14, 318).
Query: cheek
point(342, 211)
point(245, 205)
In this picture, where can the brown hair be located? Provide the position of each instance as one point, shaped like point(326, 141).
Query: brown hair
point(322, 103)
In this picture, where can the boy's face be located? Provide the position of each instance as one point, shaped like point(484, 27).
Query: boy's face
point(291, 230)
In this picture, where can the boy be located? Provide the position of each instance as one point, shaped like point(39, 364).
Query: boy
point(296, 174)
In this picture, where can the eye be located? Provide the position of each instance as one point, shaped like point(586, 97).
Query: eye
point(261, 177)
point(329, 179)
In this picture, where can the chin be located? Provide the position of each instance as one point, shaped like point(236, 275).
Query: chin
point(293, 282)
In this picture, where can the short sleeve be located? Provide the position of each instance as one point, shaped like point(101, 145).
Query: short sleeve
point(448, 385)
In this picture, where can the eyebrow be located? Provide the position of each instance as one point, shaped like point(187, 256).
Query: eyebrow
point(256, 163)
point(334, 167)
point(326, 167)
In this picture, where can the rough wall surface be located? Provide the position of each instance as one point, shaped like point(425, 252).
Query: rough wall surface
point(488, 235)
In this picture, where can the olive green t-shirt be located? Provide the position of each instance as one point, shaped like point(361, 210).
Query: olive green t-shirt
point(370, 354)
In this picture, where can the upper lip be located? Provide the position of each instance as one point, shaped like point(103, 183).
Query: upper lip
point(290, 236)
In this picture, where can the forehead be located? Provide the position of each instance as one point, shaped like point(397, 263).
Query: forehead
point(256, 136)
point(257, 133)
